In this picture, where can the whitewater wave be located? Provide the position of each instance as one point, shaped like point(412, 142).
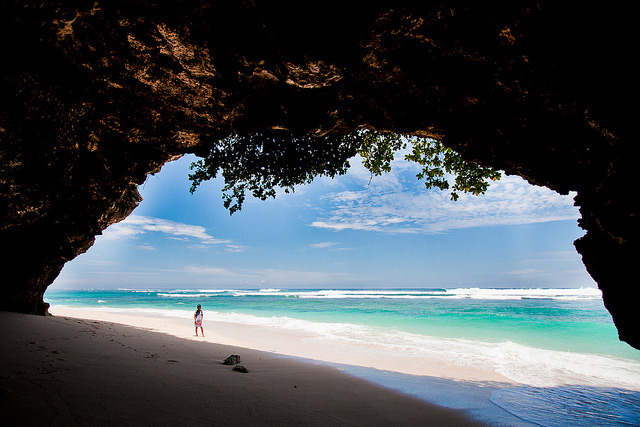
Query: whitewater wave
point(168, 295)
point(520, 363)
point(577, 294)
point(524, 364)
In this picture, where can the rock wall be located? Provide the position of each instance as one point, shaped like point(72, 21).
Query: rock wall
point(94, 95)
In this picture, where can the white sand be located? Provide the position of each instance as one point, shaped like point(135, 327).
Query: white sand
point(291, 343)
point(66, 371)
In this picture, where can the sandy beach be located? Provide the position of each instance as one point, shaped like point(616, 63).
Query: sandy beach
point(92, 368)
point(284, 340)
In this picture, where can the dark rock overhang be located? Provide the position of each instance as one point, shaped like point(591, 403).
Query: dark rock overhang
point(94, 95)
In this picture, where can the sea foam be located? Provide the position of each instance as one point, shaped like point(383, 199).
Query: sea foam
point(520, 363)
point(521, 334)
point(457, 293)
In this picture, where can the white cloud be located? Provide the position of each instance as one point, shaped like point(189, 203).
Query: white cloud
point(529, 273)
point(398, 203)
point(146, 247)
point(210, 271)
point(135, 225)
point(523, 272)
point(321, 245)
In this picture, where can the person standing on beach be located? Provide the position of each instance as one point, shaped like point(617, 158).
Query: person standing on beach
point(197, 318)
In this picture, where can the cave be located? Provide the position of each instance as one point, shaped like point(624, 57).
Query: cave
point(95, 95)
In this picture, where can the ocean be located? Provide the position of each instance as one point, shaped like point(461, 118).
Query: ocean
point(560, 345)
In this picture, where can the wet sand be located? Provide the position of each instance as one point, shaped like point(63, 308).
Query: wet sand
point(64, 370)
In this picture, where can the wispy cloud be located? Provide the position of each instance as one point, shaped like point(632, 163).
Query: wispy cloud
point(147, 247)
point(136, 225)
point(210, 271)
point(529, 273)
point(523, 272)
point(322, 245)
point(398, 203)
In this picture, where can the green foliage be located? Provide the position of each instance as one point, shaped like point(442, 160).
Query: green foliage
point(377, 150)
point(438, 160)
point(261, 162)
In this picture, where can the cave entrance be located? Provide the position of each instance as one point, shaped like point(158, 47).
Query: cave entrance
point(351, 231)
point(379, 263)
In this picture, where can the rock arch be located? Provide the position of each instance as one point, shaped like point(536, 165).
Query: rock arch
point(94, 95)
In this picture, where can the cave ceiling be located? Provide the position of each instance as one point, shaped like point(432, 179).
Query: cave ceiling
point(95, 95)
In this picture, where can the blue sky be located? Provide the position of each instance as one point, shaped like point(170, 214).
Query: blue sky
point(347, 232)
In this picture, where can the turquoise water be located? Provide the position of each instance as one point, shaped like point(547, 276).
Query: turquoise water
point(565, 319)
point(558, 343)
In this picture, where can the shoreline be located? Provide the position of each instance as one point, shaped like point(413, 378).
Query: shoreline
point(292, 343)
point(69, 370)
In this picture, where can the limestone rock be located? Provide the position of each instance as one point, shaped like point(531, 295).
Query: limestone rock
point(96, 95)
point(234, 359)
